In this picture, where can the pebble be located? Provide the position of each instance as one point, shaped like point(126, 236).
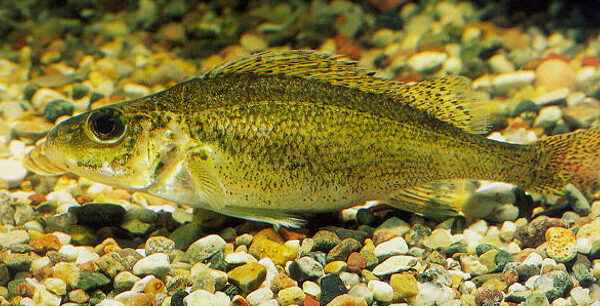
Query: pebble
point(204, 248)
point(291, 296)
point(13, 172)
point(439, 239)
point(581, 296)
point(159, 244)
point(554, 74)
point(426, 61)
point(305, 268)
point(124, 281)
point(259, 295)
point(577, 200)
point(331, 287)
point(247, 277)
point(202, 277)
point(311, 288)
point(363, 292)
point(562, 244)
point(404, 285)
point(430, 294)
point(348, 300)
point(382, 291)
point(394, 246)
point(552, 97)
point(203, 297)
point(548, 116)
point(343, 250)
point(87, 280)
point(504, 82)
point(395, 264)
point(156, 264)
point(390, 228)
point(14, 237)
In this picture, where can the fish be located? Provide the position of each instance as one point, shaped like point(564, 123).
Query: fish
point(278, 134)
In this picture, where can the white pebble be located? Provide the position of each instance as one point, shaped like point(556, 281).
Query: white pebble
point(581, 295)
point(156, 264)
point(382, 291)
point(86, 255)
point(140, 285)
point(552, 97)
point(349, 279)
point(311, 288)
point(426, 60)
point(69, 252)
point(258, 296)
point(394, 246)
point(239, 258)
point(512, 80)
point(109, 302)
point(12, 172)
point(203, 297)
point(516, 287)
point(534, 259)
point(548, 116)
point(64, 238)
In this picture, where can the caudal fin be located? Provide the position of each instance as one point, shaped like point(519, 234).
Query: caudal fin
point(571, 158)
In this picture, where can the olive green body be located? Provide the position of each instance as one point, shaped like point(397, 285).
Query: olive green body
point(299, 145)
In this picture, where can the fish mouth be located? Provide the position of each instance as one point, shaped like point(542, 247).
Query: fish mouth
point(38, 162)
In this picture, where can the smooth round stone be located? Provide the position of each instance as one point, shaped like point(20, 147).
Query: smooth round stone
point(363, 292)
point(203, 248)
point(58, 108)
point(259, 295)
point(348, 299)
point(548, 116)
point(239, 258)
point(577, 200)
point(56, 285)
point(203, 297)
point(581, 295)
point(325, 240)
point(555, 73)
point(382, 291)
point(390, 228)
point(13, 172)
point(395, 264)
point(33, 128)
point(426, 60)
point(14, 237)
point(87, 280)
point(156, 264)
point(552, 97)
point(124, 281)
point(533, 259)
point(159, 244)
point(503, 82)
point(202, 277)
point(440, 239)
point(394, 246)
point(431, 294)
point(311, 288)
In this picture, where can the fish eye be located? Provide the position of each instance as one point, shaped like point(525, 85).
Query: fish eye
point(106, 125)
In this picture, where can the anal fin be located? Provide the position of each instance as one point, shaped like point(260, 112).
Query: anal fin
point(264, 215)
point(438, 200)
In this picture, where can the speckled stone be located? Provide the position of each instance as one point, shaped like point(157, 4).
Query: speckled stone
point(343, 250)
point(562, 244)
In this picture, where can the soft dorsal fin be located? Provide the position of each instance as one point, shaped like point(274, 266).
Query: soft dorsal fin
point(448, 99)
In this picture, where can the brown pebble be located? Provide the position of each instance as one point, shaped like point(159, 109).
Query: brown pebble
point(37, 198)
point(45, 243)
point(309, 300)
point(347, 300)
point(155, 285)
point(282, 281)
point(356, 262)
point(489, 296)
point(239, 300)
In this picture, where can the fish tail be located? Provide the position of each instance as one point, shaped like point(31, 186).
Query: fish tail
point(570, 158)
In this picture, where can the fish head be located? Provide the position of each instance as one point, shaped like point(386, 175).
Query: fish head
point(107, 145)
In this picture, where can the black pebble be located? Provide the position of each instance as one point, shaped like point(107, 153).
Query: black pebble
point(177, 298)
point(331, 286)
point(98, 214)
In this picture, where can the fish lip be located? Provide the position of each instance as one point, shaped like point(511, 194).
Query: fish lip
point(37, 161)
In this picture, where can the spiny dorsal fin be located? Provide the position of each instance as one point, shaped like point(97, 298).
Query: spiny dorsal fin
point(448, 99)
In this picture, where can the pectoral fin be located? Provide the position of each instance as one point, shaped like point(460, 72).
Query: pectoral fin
point(203, 176)
point(264, 215)
point(440, 199)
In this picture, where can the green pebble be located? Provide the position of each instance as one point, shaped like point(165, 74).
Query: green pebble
point(17, 262)
point(186, 234)
point(137, 227)
point(30, 90)
point(58, 108)
point(218, 262)
point(79, 91)
point(523, 106)
point(142, 214)
point(583, 274)
point(88, 280)
point(364, 216)
point(482, 248)
point(536, 299)
point(577, 200)
point(95, 96)
point(82, 235)
point(325, 240)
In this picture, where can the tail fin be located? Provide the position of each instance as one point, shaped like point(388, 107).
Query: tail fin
point(571, 158)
